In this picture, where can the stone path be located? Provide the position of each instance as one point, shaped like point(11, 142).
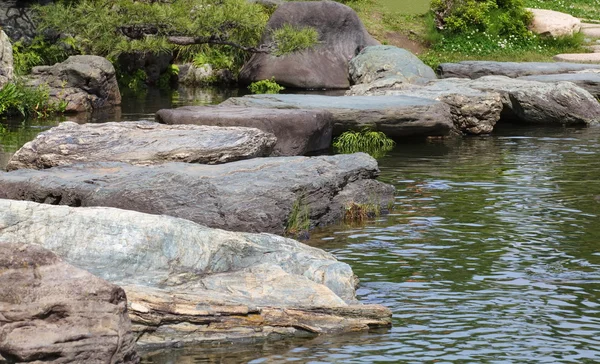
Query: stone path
point(590, 31)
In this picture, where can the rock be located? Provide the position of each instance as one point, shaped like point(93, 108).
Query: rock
point(187, 283)
point(17, 19)
point(473, 111)
point(594, 48)
point(52, 312)
point(397, 116)
point(190, 75)
point(476, 69)
point(6, 60)
point(538, 102)
point(589, 81)
point(578, 57)
point(84, 82)
point(590, 30)
point(553, 23)
point(382, 62)
point(298, 132)
point(341, 36)
point(142, 143)
point(254, 195)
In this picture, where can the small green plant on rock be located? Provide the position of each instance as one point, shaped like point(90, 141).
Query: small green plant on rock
point(298, 221)
point(375, 143)
point(265, 87)
point(359, 212)
point(19, 99)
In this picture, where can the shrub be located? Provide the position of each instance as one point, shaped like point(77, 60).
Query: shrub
point(41, 52)
point(18, 99)
point(375, 143)
point(265, 87)
point(289, 39)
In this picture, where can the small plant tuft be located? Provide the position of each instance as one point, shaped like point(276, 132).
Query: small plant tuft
point(298, 222)
point(375, 143)
point(265, 87)
point(359, 212)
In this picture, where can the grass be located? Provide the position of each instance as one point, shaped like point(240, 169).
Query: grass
point(359, 212)
point(584, 9)
point(265, 87)
point(28, 102)
point(375, 143)
point(298, 222)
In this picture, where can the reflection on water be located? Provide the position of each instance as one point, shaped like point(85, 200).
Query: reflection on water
point(491, 255)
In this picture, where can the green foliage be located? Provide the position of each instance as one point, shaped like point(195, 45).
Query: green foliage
point(135, 82)
point(217, 58)
point(289, 39)
point(375, 143)
point(168, 78)
point(41, 52)
point(18, 99)
point(298, 221)
point(265, 87)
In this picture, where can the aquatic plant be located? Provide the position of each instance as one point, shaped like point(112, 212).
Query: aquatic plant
point(359, 212)
point(265, 87)
point(375, 143)
point(298, 221)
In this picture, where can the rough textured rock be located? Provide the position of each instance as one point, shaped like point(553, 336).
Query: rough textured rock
point(578, 57)
point(341, 36)
point(6, 60)
point(476, 69)
point(538, 102)
point(141, 143)
point(190, 75)
point(589, 81)
point(553, 23)
point(298, 132)
point(473, 111)
point(187, 283)
point(388, 62)
point(255, 195)
point(52, 312)
point(84, 82)
point(17, 19)
point(397, 116)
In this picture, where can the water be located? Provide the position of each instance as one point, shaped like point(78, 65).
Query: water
point(492, 254)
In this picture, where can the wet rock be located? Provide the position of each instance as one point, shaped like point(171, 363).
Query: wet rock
point(473, 111)
point(397, 116)
point(553, 23)
point(6, 60)
point(388, 62)
point(254, 195)
point(187, 283)
point(190, 75)
point(476, 69)
point(298, 132)
point(141, 143)
point(341, 36)
point(52, 312)
point(85, 83)
point(589, 81)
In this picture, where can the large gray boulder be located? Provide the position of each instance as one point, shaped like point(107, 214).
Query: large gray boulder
point(476, 69)
point(561, 103)
point(52, 312)
point(341, 36)
point(473, 111)
point(254, 195)
point(397, 116)
point(188, 284)
point(85, 83)
point(589, 81)
point(298, 132)
point(6, 60)
point(142, 143)
point(388, 62)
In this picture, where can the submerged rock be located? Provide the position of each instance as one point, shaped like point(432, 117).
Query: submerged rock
point(341, 36)
point(397, 116)
point(255, 195)
point(476, 69)
point(52, 312)
point(85, 83)
point(298, 132)
point(187, 283)
point(141, 143)
point(388, 62)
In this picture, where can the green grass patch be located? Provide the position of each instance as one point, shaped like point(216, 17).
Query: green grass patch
point(265, 87)
point(298, 222)
point(585, 9)
point(375, 143)
point(16, 99)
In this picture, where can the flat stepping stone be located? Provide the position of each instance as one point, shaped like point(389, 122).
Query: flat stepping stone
point(590, 30)
point(578, 57)
point(397, 116)
point(141, 143)
point(298, 132)
point(589, 81)
point(476, 69)
point(594, 48)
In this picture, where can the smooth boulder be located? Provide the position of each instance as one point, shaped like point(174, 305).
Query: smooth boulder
point(397, 116)
point(84, 83)
point(298, 132)
point(188, 284)
point(388, 62)
point(253, 195)
point(553, 23)
point(142, 143)
point(476, 69)
point(589, 81)
point(6, 60)
point(473, 111)
point(341, 36)
point(52, 312)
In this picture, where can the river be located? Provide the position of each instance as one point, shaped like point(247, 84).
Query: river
point(491, 254)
